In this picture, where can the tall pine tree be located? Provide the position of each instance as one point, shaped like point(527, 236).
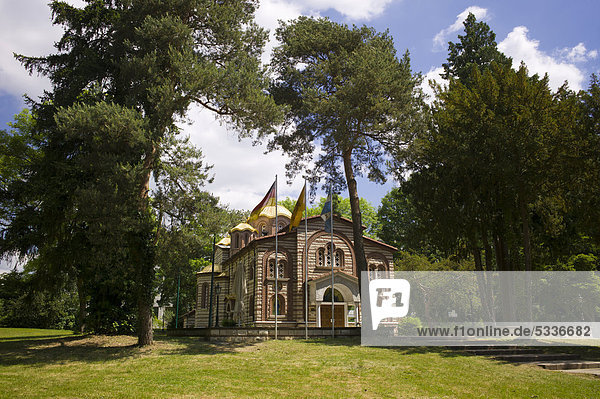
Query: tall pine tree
point(144, 61)
point(345, 91)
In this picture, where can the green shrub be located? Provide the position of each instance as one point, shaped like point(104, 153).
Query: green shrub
point(228, 323)
point(407, 326)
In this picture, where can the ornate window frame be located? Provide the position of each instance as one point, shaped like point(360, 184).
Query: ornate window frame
point(204, 295)
point(323, 257)
point(338, 236)
point(262, 229)
point(280, 302)
point(284, 265)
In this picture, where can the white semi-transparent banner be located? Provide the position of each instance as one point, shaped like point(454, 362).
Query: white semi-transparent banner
point(480, 308)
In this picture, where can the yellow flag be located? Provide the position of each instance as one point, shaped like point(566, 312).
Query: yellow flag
point(298, 209)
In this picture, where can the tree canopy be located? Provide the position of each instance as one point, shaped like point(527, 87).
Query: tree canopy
point(499, 173)
point(347, 95)
point(477, 48)
point(123, 74)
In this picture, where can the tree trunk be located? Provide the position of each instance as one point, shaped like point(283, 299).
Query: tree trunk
point(145, 300)
point(526, 234)
point(487, 250)
point(82, 306)
point(477, 258)
point(143, 247)
point(357, 231)
point(144, 263)
point(482, 285)
point(498, 253)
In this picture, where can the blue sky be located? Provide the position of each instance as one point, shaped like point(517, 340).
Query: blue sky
point(556, 37)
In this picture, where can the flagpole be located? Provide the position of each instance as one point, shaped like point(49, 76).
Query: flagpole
point(276, 265)
point(212, 282)
point(332, 259)
point(305, 264)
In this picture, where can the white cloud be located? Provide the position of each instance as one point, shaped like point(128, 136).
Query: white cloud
point(25, 28)
point(270, 12)
point(441, 38)
point(352, 9)
point(435, 75)
point(9, 264)
point(521, 48)
point(577, 54)
point(243, 173)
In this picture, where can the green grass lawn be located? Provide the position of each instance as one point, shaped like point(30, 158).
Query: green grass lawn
point(46, 363)
point(20, 334)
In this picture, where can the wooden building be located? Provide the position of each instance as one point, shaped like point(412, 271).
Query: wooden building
point(244, 274)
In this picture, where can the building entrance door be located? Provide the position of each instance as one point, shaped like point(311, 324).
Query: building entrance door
point(340, 315)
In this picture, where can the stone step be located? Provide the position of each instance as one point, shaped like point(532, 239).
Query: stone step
point(501, 351)
point(483, 347)
point(595, 372)
point(536, 357)
point(570, 365)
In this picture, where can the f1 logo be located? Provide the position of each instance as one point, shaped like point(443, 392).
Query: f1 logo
point(389, 298)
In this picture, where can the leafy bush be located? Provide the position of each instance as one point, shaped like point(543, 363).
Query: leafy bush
point(408, 326)
point(228, 323)
point(24, 304)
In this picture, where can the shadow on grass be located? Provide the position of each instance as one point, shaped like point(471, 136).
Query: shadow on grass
point(199, 346)
point(582, 354)
point(92, 348)
point(589, 353)
point(59, 350)
point(355, 341)
point(36, 337)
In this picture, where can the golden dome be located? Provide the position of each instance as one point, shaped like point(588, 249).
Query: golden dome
point(243, 227)
point(225, 242)
point(269, 212)
point(208, 269)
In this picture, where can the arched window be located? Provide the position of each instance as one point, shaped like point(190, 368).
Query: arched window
point(262, 229)
point(328, 256)
point(237, 240)
point(337, 296)
point(281, 269)
point(228, 310)
point(339, 258)
point(376, 267)
point(204, 296)
point(324, 257)
point(272, 268)
point(320, 257)
point(280, 305)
